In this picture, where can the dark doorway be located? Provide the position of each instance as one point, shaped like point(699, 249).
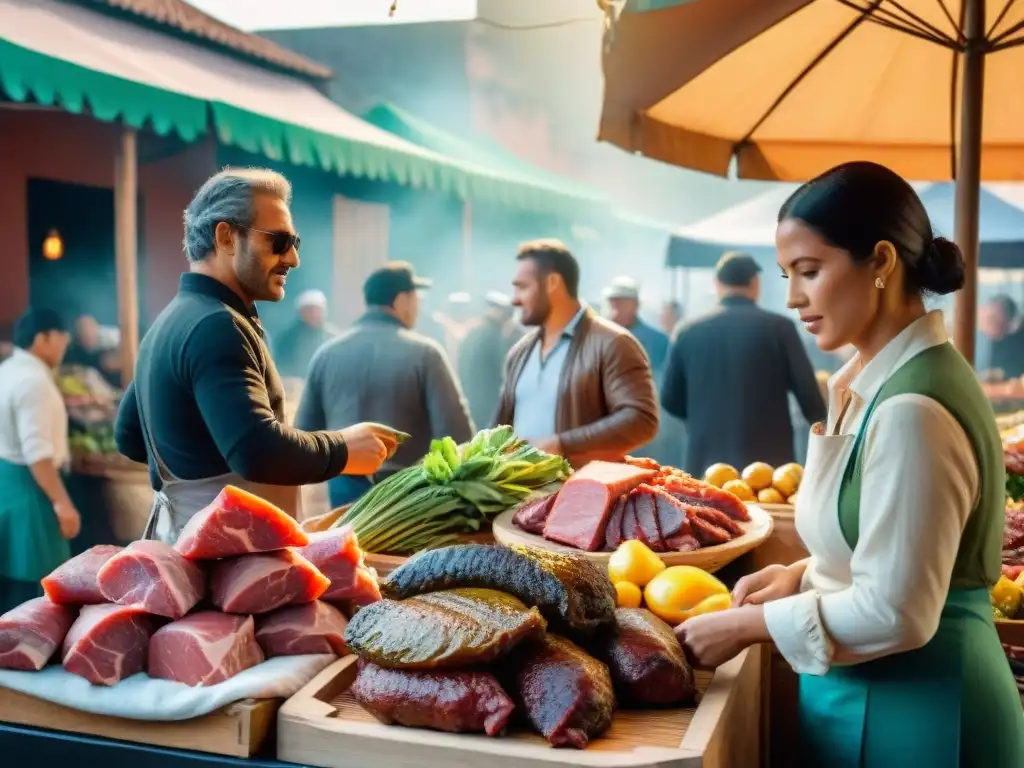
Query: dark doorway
point(83, 280)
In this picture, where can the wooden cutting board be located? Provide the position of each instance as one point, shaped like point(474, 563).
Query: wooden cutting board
point(323, 725)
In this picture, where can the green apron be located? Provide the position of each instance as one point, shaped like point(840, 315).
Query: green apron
point(31, 544)
point(952, 702)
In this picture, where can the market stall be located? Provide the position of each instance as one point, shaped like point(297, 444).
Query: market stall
point(249, 619)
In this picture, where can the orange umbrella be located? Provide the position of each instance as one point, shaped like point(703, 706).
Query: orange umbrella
point(790, 88)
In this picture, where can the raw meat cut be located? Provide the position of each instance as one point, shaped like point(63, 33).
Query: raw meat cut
point(32, 632)
point(442, 630)
point(205, 648)
point(566, 694)
point(696, 491)
point(261, 583)
point(296, 630)
point(584, 504)
point(569, 590)
point(457, 701)
point(238, 523)
point(74, 582)
point(613, 531)
point(646, 661)
point(531, 515)
point(336, 554)
point(107, 643)
point(155, 577)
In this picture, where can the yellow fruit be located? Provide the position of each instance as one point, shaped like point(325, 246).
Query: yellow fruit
point(758, 475)
point(785, 482)
point(720, 474)
point(770, 496)
point(710, 605)
point(1006, 596)
point(634, 562)
point(628, 595)
point(792, 500)
point(793, 469)
point(676, 591)
point(740, 489)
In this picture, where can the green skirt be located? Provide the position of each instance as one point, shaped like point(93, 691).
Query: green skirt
point(951, 704)
point(31, 544)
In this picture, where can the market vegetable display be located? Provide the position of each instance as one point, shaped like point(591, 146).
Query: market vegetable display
point(455, 490)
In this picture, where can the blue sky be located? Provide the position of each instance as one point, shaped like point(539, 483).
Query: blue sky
point(277, 14)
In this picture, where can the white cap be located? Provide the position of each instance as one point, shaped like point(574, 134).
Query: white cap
point(622, 287)
point(497, 299)
point(312, 298)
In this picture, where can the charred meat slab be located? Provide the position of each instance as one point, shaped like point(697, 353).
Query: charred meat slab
point(647, 664)
point(566, 695)
point(569, 590)
point(442, 630)
point(456, 701)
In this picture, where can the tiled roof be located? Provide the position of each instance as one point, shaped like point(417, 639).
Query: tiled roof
point(190, 21)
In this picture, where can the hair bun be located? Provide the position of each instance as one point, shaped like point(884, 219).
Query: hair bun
point(941, 269)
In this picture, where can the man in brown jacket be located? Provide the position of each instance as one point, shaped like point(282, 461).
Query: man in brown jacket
point(579, 385)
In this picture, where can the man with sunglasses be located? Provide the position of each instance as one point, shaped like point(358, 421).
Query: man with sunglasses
point(206, 407)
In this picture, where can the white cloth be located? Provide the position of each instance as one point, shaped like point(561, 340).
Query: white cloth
point(919, 483)
point(141, 697)
point(33, 417)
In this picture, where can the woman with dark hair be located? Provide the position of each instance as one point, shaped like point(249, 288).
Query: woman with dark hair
point(888, 621)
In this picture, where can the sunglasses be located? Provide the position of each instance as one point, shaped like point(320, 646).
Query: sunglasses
point(280, 242)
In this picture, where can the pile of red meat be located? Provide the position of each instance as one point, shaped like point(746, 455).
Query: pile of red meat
point(1013, 541)
point(606, 503)
point(243, 583)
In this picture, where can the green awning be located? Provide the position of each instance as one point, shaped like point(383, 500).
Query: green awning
point(509, 179)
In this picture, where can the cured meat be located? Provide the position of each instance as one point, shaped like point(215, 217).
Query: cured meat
point(683, 542)
point(261, 583)
point(74, 582)
point(584, 504)
point(32, 632)
point(238, 523)
point(643, 463)
point(672, 514)
point(696, 491)
point(566, 695)
point(647, 521)
point(336, 554)
point(457, 701)
point(153, 576)
point(646, 661)
point(205, 648)
point(531, 515)
point(107, 643)
point(613, 531)
point(630, 521)
point(1013, 528)
point(1009, 571)
point(707, 533)
point(442, 630)
point(300, 629)
point(569, 590)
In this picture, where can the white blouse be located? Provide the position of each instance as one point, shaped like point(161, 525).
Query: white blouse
point(920, 480)
point(33, 417)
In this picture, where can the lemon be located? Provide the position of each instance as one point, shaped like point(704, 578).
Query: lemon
point(785, 481)
point(710, 604)
point(770, 496)
point(793, 469)
point(740, 489)
point(634, 562)
point(720, 474)
point(628, 595)
point(792, 500)
point(758, 475)
point(676, 591)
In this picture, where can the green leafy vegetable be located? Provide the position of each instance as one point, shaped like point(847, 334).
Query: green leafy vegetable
point(1014, 486)
point(455, 489)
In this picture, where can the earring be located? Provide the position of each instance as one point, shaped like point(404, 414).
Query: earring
point(879, 283)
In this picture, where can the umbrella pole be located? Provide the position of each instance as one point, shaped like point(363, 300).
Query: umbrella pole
point(968, 182)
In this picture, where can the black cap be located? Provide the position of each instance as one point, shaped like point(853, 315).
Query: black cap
point(383, 286)
point(736, 269)
point(34, 322)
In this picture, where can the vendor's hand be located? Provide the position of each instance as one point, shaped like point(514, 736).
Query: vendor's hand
point(712, 639)
point(68, 518)
point(771, 583)
point(369, 446)
point(548, 444)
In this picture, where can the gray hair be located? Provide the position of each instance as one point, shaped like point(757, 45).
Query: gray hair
point(228, 196)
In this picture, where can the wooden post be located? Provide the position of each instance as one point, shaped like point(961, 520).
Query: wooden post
point(968, 182)
point(125, 248)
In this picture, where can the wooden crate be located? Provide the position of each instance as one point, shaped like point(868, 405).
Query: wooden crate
point(322, 725)
point(237, 730)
